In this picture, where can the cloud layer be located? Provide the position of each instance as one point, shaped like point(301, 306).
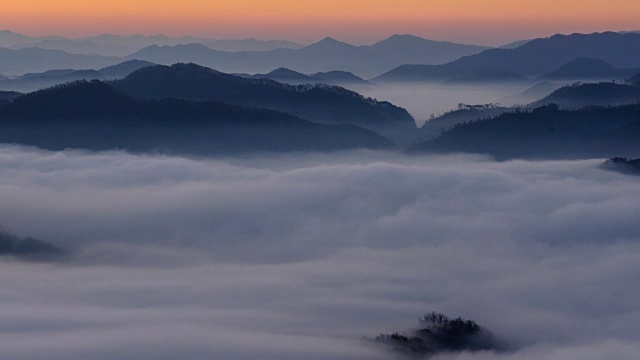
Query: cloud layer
point(307, 256)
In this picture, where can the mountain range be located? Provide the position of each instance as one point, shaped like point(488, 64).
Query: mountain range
point(35, 81)
point(592, 94)
point(546, 132)
point(234, 56)
point(325, 55)
point(533, 59)
point(288, 76)
point(95, 116)
point(115, 45)
point(319, 103)
point(19, 62)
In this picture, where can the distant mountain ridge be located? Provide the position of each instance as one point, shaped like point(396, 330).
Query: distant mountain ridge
point(18, 62)
point(115, 45)
point(588, 68)
point(35, 81)
point(291, 77)
point(95, 116)
point(326, 55)
point(535, 58)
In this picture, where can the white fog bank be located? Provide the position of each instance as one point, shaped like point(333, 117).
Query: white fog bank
point(306, 256)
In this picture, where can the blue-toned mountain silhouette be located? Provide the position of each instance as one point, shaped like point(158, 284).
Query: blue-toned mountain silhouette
point(95, 116)
point(324, 104)
point(546, 132)
point(535, 58)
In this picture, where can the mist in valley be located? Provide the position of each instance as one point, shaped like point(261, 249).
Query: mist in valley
point(313, 255)
point(425, 99)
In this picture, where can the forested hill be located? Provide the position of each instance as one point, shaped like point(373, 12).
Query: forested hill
point(95, 116)
point(318, 103)
point(546, 132)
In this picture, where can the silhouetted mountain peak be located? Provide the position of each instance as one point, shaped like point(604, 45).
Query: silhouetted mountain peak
point(283, 72)
point(402, 38)
point(186, 72)
point(123, 69)
point(330, 43)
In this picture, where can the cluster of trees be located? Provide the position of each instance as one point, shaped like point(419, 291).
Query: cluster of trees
point(27, 248)
point(623, 164)
point(438, 333)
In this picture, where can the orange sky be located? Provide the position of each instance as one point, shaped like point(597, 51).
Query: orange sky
point(480, 21)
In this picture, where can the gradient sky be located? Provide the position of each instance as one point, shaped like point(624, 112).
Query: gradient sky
point(357, 21)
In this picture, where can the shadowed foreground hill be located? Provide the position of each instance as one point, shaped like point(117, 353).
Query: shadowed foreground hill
point(319, 103)
point(93, 115)
point(546, 132)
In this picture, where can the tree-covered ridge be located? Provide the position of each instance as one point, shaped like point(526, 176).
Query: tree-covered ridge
point(27, 248)
point(545, 132)
point(95, 116)
point(325, 104)
point(592, 94)
point(623, 165)
point(438, 333)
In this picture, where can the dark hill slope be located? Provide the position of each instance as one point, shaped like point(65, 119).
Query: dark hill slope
point(434, 127)
point(546, 132)
point(93, 115)
point(600, 94)
point(324, 104)
point(535, 58)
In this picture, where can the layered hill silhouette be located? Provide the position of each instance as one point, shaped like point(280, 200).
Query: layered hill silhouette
point(291, 77)
point(35, 81)
point(586, 69)
point(95, 116)
point(326, 55)
point(546, 132)
point(115, 45)
point(123, 69)
point(17, 62)
point(535, 58)
point(592, 94)
point(532, 94)
point(463, 114)
point(324, 104)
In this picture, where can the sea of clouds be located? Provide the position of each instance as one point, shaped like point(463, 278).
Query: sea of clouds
point(310, 256)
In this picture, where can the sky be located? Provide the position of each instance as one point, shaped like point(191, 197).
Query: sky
point(489, 22)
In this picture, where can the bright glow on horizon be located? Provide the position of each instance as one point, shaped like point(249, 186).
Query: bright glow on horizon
point(487, 21)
